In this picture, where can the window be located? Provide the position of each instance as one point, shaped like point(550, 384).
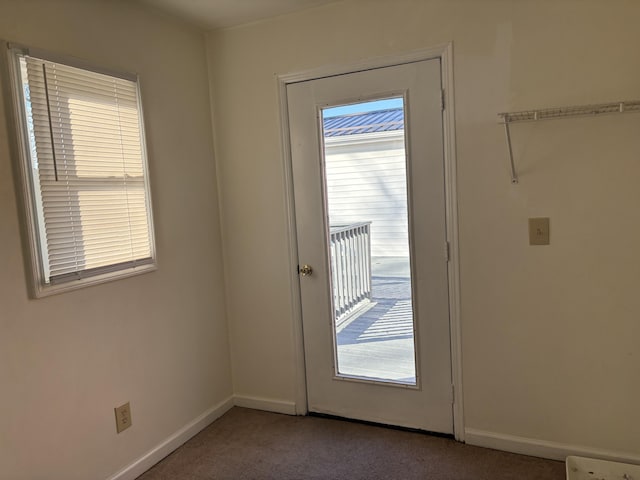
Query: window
point(84, 172)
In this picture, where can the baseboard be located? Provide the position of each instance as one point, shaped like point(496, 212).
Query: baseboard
point(270, 405)
point(542, 448)
point(149, 459)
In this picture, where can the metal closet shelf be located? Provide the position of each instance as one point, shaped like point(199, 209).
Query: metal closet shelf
point(508, 118)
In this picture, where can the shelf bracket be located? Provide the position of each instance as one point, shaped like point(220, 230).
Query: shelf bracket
point(514, 174)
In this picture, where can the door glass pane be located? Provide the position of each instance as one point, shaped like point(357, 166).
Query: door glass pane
point(366, 193)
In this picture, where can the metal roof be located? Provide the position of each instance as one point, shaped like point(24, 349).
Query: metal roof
point(358, 123)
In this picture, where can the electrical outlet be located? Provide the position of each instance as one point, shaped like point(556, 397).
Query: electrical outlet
point(123, 417)
point(539, 231)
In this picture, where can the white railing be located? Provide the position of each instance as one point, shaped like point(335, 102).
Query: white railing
point(350, 247)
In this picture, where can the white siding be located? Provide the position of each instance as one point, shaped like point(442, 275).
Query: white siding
point(366, 181)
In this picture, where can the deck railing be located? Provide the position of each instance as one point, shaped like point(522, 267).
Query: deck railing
point(350, 247)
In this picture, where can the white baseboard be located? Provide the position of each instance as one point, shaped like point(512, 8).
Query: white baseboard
point(542, 448)
point(149, 459)
point(270, 405)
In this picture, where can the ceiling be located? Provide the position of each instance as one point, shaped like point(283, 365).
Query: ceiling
point(213, 14)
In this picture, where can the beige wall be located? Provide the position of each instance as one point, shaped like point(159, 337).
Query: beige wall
point(550, 334)
point(158, 340)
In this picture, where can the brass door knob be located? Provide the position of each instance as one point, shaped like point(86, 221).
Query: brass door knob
point(306, 270)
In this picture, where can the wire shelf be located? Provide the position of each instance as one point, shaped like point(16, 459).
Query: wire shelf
point(508, 118)
point(560, 112)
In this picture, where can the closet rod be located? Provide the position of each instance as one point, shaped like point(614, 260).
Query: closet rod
point(508, 118)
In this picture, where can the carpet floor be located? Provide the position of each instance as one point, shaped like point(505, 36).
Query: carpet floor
point(251, 444)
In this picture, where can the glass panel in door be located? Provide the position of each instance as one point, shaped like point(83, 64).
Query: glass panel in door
point(366, 195)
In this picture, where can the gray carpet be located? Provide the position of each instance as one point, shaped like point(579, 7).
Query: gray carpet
point(250, 444)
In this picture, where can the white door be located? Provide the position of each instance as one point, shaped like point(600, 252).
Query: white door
point(368, 174)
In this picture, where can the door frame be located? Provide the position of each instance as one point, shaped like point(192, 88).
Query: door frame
point(443, 52)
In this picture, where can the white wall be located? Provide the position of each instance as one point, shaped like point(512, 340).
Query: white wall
point(158, 340)
point(550, 334)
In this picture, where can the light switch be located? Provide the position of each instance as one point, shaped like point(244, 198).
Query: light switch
point(539, 231)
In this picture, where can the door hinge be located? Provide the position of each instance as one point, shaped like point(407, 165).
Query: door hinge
point(447, 251)
point(442, 97)
point(453, 394)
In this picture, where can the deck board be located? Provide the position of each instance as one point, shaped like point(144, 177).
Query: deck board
point(377, 342)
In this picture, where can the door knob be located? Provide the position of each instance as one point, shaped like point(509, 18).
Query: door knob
point(306, 270)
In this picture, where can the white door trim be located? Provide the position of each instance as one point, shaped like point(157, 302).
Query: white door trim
point(445, 54)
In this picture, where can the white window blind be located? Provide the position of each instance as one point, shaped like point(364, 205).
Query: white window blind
point(88, 170)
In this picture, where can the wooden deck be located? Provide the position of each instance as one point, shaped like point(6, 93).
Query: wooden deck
point(377, 341)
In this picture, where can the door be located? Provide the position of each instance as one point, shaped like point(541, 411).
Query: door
point(368, 175)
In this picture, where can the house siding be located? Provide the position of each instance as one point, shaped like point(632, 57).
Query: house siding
point(366, 182)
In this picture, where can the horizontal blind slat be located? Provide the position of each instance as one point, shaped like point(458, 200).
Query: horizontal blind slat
point(86, 129)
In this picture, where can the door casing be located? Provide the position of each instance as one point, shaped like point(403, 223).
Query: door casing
point(445, 54)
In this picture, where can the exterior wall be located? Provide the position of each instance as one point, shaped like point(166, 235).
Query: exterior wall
point(158, 340)
point(549, 333)
point(366, 182)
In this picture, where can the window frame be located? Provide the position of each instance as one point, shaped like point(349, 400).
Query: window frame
point(33, 236)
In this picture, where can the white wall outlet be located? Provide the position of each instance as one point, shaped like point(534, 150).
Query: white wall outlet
point(123, 417)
